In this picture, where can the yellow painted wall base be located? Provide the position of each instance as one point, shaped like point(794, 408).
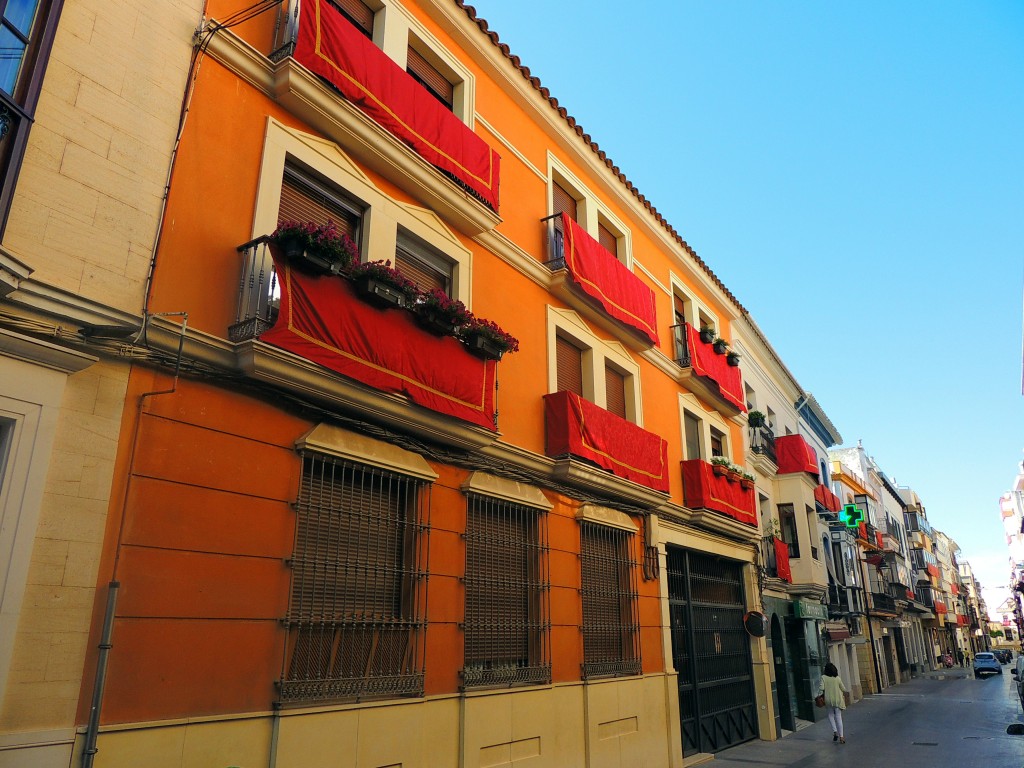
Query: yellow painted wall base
point(606, 724)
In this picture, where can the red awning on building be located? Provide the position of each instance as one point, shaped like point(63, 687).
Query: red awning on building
point(331, 46)
point(605, 279)
point(578, 427)
point(795, 455)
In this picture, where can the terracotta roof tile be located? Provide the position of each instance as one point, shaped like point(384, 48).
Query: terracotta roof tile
point(602, 155)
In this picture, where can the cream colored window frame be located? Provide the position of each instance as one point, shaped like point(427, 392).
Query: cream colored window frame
point(382, 214)
point(707, 418)
point(596, 354)
point(395, 29)
point(589, 209)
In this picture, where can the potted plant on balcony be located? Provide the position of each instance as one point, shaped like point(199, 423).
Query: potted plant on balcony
point(746, 481)
point(735, 475)
point(720, 466)
point(440, 314)
point(720, 346)
point(732, 358)
point(486, 339)
point(378, 283)
point(319, 248)
point(707, 334)
point(755, 419)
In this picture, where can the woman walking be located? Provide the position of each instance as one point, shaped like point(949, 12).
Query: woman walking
point(833, 689)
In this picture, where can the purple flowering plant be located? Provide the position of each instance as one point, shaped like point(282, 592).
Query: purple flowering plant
point(491, 331)
point(383, 272)
point(452, 310)
point(324, 239)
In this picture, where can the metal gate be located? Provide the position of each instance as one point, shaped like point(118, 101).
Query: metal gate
point(711, 651)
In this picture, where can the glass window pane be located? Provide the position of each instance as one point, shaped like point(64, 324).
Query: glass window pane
point(11, 52)
point(20, 14)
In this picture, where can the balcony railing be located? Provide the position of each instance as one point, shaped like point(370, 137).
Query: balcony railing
point(843, 600)
point(259, 293)
point(762, 441)
point(882, 603)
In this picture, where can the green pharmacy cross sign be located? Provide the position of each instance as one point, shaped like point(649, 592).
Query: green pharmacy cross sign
point(852, 516)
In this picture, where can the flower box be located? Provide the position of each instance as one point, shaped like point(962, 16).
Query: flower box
point(484, 346)
point(378, 293)
point(435, 322)
point(720, 346)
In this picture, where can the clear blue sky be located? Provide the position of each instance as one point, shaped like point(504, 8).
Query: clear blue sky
point(853, 172)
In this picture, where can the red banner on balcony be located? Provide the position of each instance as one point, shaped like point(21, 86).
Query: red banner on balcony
point(954, 589)
point(933, 570)
point(940, 607)
point(827, 499)
point(605, 279)
point(782, 560)
point(961, 620)
point(703, 489)
point(322, 320)
point(331, 46)
point(705, 362)
point(578, 427)
point(795, 455)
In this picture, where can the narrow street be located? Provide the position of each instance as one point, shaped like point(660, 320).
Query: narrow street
point(944, 719)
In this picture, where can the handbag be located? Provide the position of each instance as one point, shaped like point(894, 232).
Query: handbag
point(819, 700)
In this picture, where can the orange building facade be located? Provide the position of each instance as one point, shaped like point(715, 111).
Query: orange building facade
point(339, 533)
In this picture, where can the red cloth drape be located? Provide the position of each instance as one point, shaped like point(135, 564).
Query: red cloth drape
point(322, 320)
point(702, 489)
point(827, 499)
point(606, 280)
point(577, 426)
point(331, 46)
point(706, 363)
point(782, 560)
point(793, 454)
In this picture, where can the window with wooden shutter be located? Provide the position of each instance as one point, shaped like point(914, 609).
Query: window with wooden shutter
point(569, 363)
point(615, 391)
point(358, 13)
point(430, 77)
point(608, 592)
point(506, 641)
point(421, 264)
point(562, 201)
point(607, 239)
point(305, 198)
point(356, 615)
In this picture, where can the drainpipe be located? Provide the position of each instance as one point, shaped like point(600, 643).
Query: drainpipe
point(92, 731)
point(867, 618)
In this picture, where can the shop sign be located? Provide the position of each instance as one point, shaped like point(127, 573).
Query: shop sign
point(805, 609)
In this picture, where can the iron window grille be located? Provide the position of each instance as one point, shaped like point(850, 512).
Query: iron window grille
point(356, 619)
point(507, 587)
point(611, 642)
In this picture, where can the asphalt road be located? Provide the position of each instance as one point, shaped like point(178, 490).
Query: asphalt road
point(945, 719)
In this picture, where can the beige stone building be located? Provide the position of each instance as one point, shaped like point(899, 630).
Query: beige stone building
point(89, 118)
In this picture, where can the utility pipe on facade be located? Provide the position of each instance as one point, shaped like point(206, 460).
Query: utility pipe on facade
point(92, 730)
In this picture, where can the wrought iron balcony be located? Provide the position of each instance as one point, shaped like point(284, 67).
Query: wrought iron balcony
point(882, 603)
point(259, 293)
point(762, 441)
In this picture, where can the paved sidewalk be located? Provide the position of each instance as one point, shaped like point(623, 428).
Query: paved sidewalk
point(940, 719)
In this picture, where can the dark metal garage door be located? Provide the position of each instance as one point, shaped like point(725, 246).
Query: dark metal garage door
point(711, 651)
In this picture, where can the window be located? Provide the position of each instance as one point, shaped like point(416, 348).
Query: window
point(569, 360)
point(812, 529)
point(607, 239)
point(430, 77)
point(692, 429)
point(304, 198)
point(356, 616)
point(562, 201)
point(26, 35)
point(506, 638)
point(610, 623)
point(717, 442)
point(570, 196)
point(358, 13)
point(787, 520)
point(422, 264)
point(615, 391)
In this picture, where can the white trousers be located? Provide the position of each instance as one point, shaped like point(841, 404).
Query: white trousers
point(835, 718)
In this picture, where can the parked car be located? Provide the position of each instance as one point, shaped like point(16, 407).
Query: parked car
point(1018, 675)
point(987, 662)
